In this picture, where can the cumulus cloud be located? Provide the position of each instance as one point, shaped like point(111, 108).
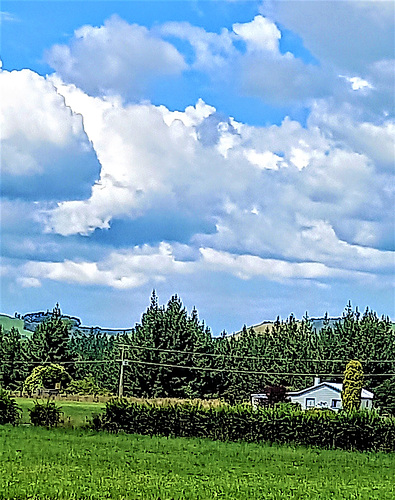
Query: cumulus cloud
point(211, 50)
point(134, 267)
point(117, 57)
point(42, 140)
point(127, 269)
point(348, 34)
point(285, 192)
point(259, 35)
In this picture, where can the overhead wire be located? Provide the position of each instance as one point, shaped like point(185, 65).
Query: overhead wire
point(235, 356)
point(197, 368)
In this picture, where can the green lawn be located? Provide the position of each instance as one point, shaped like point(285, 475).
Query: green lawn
point(75, 413)
point(75, 463)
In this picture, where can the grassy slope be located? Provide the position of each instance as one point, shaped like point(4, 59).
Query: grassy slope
point(7, 323)
point(39, 463)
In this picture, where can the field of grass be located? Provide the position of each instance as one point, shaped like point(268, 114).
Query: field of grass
point(7, 323)
point(75, 413)
point(75, 463)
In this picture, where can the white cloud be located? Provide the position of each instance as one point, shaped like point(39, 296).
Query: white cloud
point(7, 17)
point(256, 183)
point(376, 140)
point(358, 83)
point(41, 139)
point(348, 34)
point(212, 50)
point(249, 266)
point(265, 160)
point(29, 282)
point(122, 270)
point(261, 34)
point(115, 58)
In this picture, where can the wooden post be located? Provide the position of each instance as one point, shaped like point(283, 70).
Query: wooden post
point(120, 389)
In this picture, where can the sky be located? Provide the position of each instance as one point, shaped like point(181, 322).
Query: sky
point(238, 154)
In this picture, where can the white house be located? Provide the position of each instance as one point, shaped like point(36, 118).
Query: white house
point(320, 395)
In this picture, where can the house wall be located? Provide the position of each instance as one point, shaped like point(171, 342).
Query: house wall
point(326, 395)
point(320, 395)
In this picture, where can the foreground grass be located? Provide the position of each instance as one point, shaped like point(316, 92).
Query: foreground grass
point(75, 463)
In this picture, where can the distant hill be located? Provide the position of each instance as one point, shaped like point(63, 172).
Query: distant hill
point(318, 323)
point(27, 323)
point(7, 322)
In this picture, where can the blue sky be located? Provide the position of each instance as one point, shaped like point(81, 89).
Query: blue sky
point(239, 154)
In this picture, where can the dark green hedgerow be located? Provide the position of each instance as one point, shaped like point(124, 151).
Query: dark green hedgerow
point(359, 430)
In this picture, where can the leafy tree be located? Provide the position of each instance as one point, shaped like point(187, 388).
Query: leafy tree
point(352, 386)
point(86, 386)
point(46, 377)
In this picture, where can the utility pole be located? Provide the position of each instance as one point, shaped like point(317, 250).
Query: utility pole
point(120, 388)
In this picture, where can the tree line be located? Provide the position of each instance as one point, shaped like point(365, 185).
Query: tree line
point(172, 353)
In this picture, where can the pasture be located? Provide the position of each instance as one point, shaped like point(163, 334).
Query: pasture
point(75, 413)
point(65, 463)
point(7, 322)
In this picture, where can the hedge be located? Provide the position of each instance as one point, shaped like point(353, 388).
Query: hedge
point(358, 430)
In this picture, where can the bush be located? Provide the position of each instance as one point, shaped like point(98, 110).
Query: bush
point(10, 413)
point(283, 423)
point(45, 414)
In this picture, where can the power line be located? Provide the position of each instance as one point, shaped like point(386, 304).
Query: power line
point(252, 372)
point(233, 356)
point(202, 368)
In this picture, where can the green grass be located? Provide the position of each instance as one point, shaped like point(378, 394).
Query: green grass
point(75, 413)
point(75, 463)
point(7, 323)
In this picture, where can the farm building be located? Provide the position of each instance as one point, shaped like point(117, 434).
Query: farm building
point(320, 395)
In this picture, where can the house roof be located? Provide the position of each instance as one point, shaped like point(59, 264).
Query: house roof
point(365, 394)
point(332, 385)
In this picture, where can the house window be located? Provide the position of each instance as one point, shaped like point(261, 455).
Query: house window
point(310, 402)
point(367, 404)
point(336, 403)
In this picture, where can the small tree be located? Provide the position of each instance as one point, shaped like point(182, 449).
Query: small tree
point(352, 386)
point(45, 414)
point(10, 412)
point(275, 394)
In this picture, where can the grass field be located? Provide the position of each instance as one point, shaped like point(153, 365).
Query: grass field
point(37, 463)
point(7, 323)
point(75, 413)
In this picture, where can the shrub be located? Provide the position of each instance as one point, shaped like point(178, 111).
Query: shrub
point(10, 412)
point(45, 414)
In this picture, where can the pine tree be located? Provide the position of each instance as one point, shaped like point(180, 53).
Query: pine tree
point(50, 343)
